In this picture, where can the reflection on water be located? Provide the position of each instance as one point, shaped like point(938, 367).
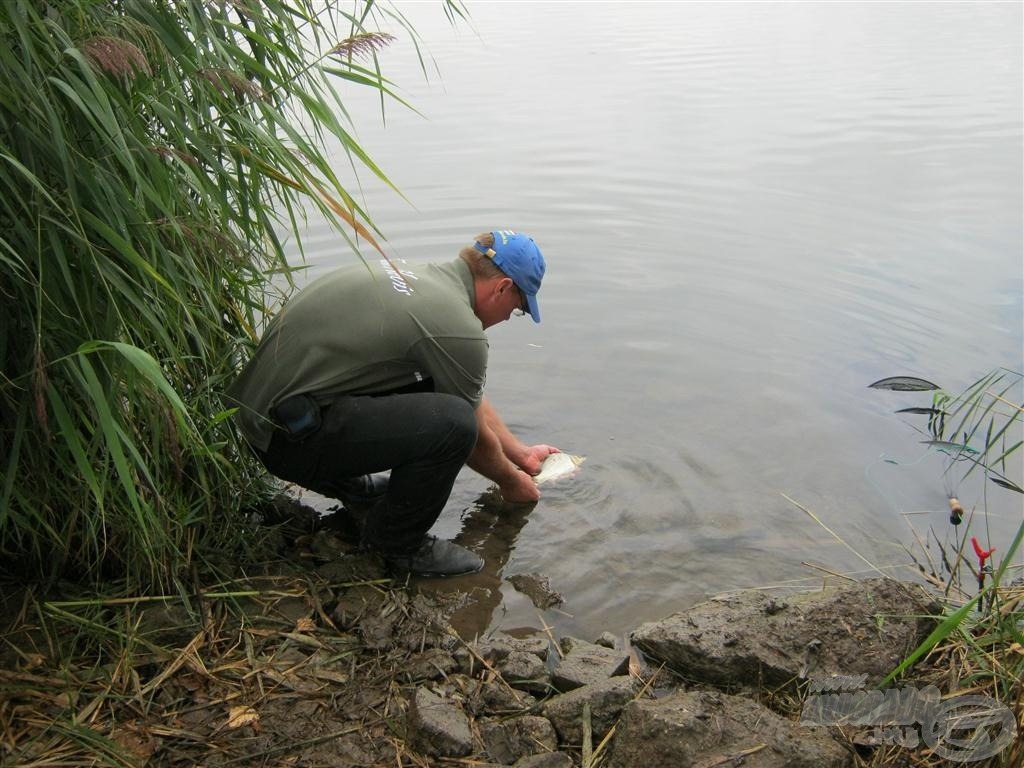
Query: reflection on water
point(490, 527)
point(750, 211)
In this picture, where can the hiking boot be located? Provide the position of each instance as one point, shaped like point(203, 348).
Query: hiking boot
point(363, 491)
point(436, 557)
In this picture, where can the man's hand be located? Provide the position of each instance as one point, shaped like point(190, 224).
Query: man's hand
point(534, 457)
point(520, 489)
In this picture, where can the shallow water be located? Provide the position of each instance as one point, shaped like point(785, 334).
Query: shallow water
point(750, 212)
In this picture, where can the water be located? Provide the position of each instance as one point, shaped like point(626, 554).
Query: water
point(750, 212)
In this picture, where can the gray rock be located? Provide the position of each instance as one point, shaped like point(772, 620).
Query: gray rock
point(606, 699)
point(525, 672)
point(552, 760)
point(607, 640)
point(495, 697)
point(702, 728)
point(437, 727)
point(497, 648)
point(519, 737)
point(585, 664)
point(751, 639)
point(499, 645)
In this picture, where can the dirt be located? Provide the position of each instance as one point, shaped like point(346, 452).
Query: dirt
point(322, 660)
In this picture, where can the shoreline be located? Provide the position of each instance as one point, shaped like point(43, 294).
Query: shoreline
point(335, 664)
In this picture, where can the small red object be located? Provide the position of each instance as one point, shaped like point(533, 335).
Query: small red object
point(983, 554)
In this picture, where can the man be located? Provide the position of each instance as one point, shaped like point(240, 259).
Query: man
point(379, 367)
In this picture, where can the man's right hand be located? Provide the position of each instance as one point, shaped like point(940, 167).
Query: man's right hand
point(520, 489)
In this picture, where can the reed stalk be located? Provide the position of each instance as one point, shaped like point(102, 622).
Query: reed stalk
point(152, 157)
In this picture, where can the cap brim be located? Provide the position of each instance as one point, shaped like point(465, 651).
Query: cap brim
point(531, 305)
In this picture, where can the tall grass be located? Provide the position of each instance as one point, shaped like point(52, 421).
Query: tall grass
point(150, 153)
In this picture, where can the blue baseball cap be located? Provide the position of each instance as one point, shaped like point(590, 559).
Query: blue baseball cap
point(518, 256)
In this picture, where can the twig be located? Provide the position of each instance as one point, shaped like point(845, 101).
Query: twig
point(588, 736)
point(823, 569)
point(736, 758)
point(547, 630)
point(294, 745)
point(835, 535)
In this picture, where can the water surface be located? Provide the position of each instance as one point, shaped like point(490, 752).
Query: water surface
point(750, 212)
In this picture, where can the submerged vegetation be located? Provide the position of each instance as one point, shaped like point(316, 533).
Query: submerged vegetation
point(150, 155)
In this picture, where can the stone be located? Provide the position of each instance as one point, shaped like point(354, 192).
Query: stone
point(704, 728)
point(586, 663)
point(607, 640)
point(525, 672)
point(495, 697)
point(753, 640)
point(510, 740)
point(500, 645)
point(606, 698)
point(497, 648)
point(437, 727)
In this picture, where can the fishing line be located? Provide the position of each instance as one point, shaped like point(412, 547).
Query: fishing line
point(947, 488)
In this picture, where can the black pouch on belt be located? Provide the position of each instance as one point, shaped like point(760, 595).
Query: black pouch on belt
point(299, 415)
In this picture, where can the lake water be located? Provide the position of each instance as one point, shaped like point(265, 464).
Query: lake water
point(750, 212)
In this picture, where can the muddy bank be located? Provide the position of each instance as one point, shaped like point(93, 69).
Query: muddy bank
point(334, 664)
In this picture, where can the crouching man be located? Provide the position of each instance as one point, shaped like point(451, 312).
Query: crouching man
point(370, 370)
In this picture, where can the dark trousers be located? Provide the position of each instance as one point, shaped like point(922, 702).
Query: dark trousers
point(423, 438)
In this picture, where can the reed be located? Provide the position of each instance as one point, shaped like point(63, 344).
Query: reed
point(976, 647)
point(151, 156)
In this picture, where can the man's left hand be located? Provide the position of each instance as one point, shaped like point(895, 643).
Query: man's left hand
point(535, 455)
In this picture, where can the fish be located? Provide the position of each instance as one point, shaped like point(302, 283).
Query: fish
point(558, 466)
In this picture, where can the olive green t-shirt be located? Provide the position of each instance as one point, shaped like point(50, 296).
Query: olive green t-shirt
point(366, 329)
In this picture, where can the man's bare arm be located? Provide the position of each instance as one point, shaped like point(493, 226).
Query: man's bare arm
point(500, 456)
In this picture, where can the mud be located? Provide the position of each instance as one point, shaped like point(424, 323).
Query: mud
point(332, 663)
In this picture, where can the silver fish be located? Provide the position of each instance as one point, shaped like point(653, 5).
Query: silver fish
point(558, 466)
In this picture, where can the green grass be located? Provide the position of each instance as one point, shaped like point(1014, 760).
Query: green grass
point(978, 645)
point(151, 155)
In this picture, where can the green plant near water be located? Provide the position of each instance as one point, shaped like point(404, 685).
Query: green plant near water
point(978, 645)
point(150, 153)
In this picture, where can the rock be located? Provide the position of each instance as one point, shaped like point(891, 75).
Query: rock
point(497, 648)
point(495, 697)
point(607, 640)
point(537, 587)
point(586, 663)
point(525, 672)
point(552, 760)
point(511, 740)
point(751, 639)
point(606, 699)
point(437, 727)
point(703, 728)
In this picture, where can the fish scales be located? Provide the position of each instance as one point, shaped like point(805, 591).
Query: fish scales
point(558, 466)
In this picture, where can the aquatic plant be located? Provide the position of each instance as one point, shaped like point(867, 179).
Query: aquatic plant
point(152, 154)
point(976, 645)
